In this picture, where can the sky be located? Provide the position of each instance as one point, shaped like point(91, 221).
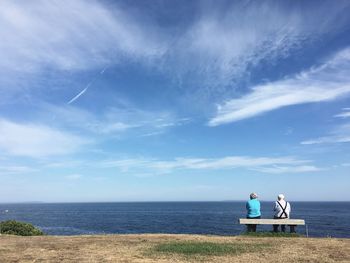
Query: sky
point(174, 100)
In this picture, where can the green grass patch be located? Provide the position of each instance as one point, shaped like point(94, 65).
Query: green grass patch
point(271, 234)
point(193, 248)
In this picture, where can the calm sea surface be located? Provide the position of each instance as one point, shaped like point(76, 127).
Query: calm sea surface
point(219, 218)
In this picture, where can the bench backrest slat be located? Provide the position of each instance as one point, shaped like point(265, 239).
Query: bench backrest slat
point(246, 221)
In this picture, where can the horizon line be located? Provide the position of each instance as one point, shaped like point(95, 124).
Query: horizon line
point(159, 201)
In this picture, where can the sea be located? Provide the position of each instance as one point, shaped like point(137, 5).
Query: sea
point(323, 219)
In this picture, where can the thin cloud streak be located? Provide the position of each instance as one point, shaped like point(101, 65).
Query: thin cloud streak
point(344, 114)
point(113, 121)
point(324, 83)
point(340, 134)
point(80, 93)
point(103, 70)
point(16, 169)
point(327, 139)
point(147, 166)
point(74, 177)
point(289, 169)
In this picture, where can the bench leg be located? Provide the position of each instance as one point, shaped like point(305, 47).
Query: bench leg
point(283, 228)
point(292, 228)
point(251, 228)
point(254, 228)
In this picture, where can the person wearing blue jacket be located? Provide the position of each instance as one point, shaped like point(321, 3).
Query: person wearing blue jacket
point(253, 211)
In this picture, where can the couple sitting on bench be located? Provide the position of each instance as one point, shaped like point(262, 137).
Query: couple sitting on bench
point(281, 209)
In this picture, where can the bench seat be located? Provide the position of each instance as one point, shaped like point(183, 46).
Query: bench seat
point(292, 222)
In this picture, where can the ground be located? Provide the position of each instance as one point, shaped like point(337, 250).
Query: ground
point(150, 248)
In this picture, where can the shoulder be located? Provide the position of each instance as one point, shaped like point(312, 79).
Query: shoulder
point(256, 201)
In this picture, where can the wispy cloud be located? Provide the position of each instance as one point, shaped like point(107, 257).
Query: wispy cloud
point(289, 131)
point(114, 120)
point(223, 46)
point(217, 46)
point(143, 166)
point(57, 164)
point(344, 114)
point(324, 83)
point(74, 177)
point(35, 140)
point(340, 134)
point(15, 169)
point(70, 35)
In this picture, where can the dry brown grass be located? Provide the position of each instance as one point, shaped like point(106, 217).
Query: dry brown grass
point(139, 248)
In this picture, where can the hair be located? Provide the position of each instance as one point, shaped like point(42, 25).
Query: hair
point(280, 196)
point(253, 196)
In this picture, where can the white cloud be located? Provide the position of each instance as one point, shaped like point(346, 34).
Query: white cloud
point(214, 49)
point(70, 35)
point(147, 166)
point(327, 139)
point(344, 114)
point(218, 46)
point(36, 140)
point(223, 45)
point(340, 134)
point(324, 83)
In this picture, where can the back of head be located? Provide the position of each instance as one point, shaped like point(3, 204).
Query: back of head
point(253, 196)
point(280, 197)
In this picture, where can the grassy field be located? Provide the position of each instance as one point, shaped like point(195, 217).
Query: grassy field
point(172, 248)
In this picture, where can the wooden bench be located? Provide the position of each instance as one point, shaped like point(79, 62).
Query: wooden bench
point(290, 222)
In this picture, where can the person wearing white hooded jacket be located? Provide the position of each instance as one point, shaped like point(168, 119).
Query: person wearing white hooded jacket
point(282, 210)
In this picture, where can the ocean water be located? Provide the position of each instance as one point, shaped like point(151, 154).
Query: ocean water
point(323, 219)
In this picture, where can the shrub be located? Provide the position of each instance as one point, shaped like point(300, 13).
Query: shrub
point(12, 227)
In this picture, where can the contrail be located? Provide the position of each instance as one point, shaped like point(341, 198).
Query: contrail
point(103, 71)
point(80, 93)
point(86, 88)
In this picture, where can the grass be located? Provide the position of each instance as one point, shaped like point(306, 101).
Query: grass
point(194, 248)
point(161, 248)
point(271, 234)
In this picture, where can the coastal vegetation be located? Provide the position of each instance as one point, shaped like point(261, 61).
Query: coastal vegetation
point(12, 227)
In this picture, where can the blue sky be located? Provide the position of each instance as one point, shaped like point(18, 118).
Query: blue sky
point(174, 100)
